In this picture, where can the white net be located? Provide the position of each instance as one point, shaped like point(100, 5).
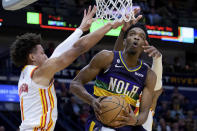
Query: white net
point(115, 10)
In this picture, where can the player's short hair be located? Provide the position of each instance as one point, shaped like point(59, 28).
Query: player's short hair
point(23, 46)
point(139, 25)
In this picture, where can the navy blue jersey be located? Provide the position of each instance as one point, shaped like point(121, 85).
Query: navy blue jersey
point(118, 79)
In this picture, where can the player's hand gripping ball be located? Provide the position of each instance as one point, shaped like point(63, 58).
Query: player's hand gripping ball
point(112, 107)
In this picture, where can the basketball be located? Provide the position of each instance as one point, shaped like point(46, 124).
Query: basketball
point(111, 107)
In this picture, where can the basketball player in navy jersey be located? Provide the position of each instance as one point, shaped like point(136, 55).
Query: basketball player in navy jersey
point(119, 73)
point(157, 67)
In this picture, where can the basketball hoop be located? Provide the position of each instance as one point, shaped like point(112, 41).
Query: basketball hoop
point(115, 10)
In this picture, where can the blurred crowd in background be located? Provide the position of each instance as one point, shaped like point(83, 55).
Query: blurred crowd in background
point(156, 12)
point(176, 67)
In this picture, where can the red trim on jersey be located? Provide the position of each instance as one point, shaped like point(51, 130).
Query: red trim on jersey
point(32, 72)
point(45, 99)
point(22, 110)
point(52, 106)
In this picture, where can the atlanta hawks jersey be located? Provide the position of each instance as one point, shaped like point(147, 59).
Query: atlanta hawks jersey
point(38, 103)
point(121, 80)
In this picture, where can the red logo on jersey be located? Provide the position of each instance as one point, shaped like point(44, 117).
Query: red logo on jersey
point(23, 88)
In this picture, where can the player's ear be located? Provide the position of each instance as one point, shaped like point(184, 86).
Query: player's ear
point(31, 57)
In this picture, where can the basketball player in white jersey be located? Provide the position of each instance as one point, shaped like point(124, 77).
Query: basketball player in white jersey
point(35, 87)
point(156, 67)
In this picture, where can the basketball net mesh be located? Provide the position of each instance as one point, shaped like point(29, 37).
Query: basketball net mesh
point(115, 10)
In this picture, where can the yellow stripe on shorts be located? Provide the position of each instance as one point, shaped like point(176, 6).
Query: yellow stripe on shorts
point(92, 126)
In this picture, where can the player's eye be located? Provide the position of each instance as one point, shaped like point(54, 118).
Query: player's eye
point(143, 37)
point(132, 33)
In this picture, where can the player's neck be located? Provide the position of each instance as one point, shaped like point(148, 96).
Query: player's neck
point(131, 59)
point(32, 63)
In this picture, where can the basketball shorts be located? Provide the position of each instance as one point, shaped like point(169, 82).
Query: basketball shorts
point(93, 124)
point(36, 129)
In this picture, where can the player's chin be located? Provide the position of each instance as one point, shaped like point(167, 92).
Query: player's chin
point(132, 51)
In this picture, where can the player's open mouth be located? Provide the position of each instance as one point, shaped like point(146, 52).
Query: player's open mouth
point(135, 44)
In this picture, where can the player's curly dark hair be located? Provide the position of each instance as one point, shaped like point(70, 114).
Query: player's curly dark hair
point(139, 25)
point(23, 46)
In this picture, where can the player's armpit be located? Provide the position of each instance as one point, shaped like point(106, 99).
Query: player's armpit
point(99, 63)
point(147, 97)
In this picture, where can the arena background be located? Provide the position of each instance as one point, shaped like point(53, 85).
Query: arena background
point(172, 27)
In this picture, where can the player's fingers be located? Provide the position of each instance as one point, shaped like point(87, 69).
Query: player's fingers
point(93, 11)
point(127, 16)
point(101, 98)
point(157, 54)
point(122, 119)
point(149, 50)
point(129, 108)
point(97, 111)
point(146, 43)
point(138, 18)
point(98, 107)
point(126, 113)
point(89, 22)
point(89, 9)
point(117, 124)
point(132, 114)
point(120, 125)
point(84, 15)
point(146, 47)
point(136, 10)
point(152, 54)
point(94, 19)
point(97, 116)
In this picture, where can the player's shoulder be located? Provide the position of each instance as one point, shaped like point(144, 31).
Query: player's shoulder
point(105, 55)
point(103, 58)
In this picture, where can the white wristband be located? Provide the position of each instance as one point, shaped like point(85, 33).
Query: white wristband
point(68, 43)
point(158, 69)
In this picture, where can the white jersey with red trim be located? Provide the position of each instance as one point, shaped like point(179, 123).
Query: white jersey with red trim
point(38, 103)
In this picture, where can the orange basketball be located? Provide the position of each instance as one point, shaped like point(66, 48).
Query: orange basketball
point(111, 107)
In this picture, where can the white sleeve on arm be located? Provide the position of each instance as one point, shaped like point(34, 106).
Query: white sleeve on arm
point(157, 67)
point(68, 43)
